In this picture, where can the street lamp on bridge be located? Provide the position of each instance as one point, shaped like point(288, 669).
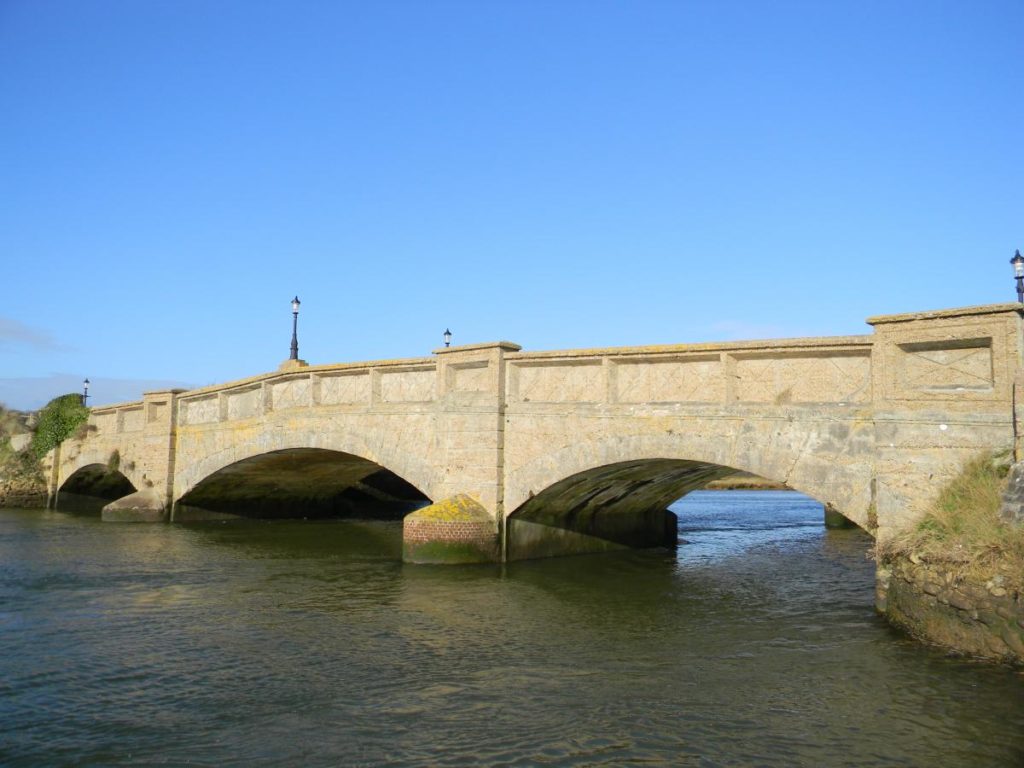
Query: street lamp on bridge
point(1018, 272)
point(85, 393)
point(295, 329)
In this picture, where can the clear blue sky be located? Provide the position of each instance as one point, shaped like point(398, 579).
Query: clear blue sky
point(558, 174)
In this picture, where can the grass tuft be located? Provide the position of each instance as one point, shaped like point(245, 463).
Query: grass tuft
point(963, 530)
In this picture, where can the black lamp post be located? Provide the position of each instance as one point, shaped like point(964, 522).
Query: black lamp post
point(448, 335)
point(1018, 272)
point(85, 393)
point(295, 329)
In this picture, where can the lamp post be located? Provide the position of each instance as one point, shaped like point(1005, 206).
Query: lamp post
point(295, 329)
point(85, 393)
point(1018, 272)
point(448, 335)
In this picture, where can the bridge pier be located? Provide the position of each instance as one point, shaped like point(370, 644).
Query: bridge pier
point(145, 506)
point(455, 530)
point(836, 520)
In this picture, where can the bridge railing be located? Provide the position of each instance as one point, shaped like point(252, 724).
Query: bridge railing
point(787, 371)
point(355, 385)
point(117, 418)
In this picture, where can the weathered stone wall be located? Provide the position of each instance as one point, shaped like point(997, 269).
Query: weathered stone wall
point(791, 411)
point(871, 425)
point(138, 438)
point(22, 492)
point(943, 393)
point(943, 608)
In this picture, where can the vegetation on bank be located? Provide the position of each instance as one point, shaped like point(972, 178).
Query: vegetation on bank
point(745, 481)
point(963, 531)
point(21, 474)
point(57, 421)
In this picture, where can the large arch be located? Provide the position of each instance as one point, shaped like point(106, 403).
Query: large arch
point(617, 489)
point(300, 482)
point(195, 463)
point(839, 478)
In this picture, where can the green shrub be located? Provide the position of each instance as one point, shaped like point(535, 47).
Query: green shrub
point(58, 419)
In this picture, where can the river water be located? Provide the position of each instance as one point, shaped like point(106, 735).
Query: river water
point(311, 644)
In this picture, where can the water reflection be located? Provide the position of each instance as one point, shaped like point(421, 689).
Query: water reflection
point(289, 642)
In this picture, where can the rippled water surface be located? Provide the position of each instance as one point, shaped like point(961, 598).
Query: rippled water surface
point(310, 643)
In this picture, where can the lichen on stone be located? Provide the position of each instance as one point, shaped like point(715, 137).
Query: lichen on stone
point(458, 508)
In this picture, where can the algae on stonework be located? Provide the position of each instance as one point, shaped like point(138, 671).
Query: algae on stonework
point(454, 509)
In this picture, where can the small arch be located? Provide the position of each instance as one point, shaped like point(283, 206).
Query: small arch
point(300, 482)
point(92, 486)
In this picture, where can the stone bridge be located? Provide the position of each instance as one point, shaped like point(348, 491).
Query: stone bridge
point(527, 454)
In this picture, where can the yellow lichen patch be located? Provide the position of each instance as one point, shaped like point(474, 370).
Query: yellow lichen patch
point(455, 509)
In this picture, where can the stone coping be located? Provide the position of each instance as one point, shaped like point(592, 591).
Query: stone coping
point(400, 364)
point(510, 346)
point(515, 353)
point(112, 407)
point(823, 342)
point(938, 314)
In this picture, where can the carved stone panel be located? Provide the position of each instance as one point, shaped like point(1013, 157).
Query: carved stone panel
point(823, 378)
point(105, 423)
point(472, 377)
point(291, 393)
point(407, 386)
point(131, 420)
point(947, 365)
point(560, 383)
point(204, 410)
point(245, 405)
point(345, 389)
point(670, 381)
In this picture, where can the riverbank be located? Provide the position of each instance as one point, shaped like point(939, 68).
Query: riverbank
point(744, 481)
point(21, 478)
point(957, 579)
point(941, 606)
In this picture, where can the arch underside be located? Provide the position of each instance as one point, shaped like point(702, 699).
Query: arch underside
point(614, 506)
point(91, 487)
point(300, 483)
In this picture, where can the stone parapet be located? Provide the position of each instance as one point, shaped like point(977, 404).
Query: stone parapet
point(871, 425)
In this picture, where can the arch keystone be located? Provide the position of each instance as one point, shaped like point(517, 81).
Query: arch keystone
point(455, 530)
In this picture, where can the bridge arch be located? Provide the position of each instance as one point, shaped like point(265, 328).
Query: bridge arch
point(94, 458)
point(635, 476)
point(336, 461)
point(93, 484)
